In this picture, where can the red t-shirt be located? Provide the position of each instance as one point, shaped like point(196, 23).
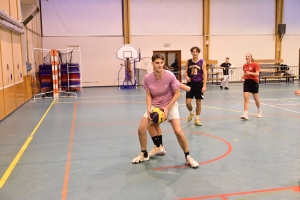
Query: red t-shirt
point(252, 67)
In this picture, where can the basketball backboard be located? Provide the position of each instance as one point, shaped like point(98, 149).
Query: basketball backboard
point(127, 51)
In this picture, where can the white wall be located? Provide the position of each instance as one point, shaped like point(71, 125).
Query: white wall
point(292, 16)
point(236, 47)
point(100, 65)
point(233, 33)
point(98, 54)
point(148, 44)
point(290, 49)
point(82, 17)
point(173, 17)
point(247, 17)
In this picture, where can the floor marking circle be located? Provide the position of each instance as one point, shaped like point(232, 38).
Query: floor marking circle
point(229, 149)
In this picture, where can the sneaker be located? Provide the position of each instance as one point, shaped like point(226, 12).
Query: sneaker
point(140, 158)
point(190, 161)
point(226, 88)
point(259, 115)
point(197, 122)
point(157, 151)
point(190, 117)
point(244, 116)
point(221, 87)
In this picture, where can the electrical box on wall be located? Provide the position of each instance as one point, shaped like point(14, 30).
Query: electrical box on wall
point(167, 44)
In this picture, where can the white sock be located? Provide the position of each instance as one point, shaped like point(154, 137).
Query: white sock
point(197, 116)
point(192, 112)
point(246, 112)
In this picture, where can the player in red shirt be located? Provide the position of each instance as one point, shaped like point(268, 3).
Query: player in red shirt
point(251, 73)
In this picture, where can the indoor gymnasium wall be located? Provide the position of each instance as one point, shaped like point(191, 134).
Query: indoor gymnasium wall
point(2, 113)
point(4, 5)
point(94, 25)
point(100, 65)
point(8, 71)
point(179, 26)
point(33, 39)
point(236, 48)
point(14, 89)
point(241, 27)
point(291, 39)
point(233, 31)
point(148, 44)
point(290, 49)
point(99, 46)
point(18, 72)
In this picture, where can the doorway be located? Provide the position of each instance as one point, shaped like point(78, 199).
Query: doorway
point(172, 61)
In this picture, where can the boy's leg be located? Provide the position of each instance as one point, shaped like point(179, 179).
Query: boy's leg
point(226, 79)
point(142, 131)
point(183, 142)
point(156, 135)
point(222, 83)
point(143, 156)
point(198, 107)
point(188, 102)
point(198, 111)
point(179, 134)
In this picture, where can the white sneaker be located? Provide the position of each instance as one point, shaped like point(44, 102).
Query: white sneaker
point(190, 161)
point(259, 115)
point(244, 116)
point(157, 151)
point(140, 158)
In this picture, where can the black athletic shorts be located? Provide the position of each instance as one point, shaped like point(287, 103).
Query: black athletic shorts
point(196, 90)
point(251, 86)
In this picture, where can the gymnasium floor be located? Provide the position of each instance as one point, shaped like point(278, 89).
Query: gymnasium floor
point(79, 149)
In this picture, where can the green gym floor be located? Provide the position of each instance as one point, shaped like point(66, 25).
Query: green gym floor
point(81, 148)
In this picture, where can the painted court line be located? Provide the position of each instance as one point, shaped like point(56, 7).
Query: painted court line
point(280, 108)
point(225, 196)
point(68, 162)
point(229, 149)
point(22, 150)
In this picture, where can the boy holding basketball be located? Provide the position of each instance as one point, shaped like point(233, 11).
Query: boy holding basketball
point(162, 90)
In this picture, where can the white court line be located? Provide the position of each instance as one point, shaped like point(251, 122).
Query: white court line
point(280, 108)
point(288, 104)
point(279, 99)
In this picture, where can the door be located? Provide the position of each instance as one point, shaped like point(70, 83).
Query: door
point(172, 61)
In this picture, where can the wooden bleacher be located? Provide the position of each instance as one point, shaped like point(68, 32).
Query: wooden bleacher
point(270, 69)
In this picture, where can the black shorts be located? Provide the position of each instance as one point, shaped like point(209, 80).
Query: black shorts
point(196, 90)
point(251, 86)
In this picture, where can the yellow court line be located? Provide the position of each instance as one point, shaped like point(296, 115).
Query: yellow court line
point(22, 150)
point(99, 102)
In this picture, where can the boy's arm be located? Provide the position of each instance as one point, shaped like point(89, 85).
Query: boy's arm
point(188, 79)
point(204, 75)
point(148, 102)
point(174, 99)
